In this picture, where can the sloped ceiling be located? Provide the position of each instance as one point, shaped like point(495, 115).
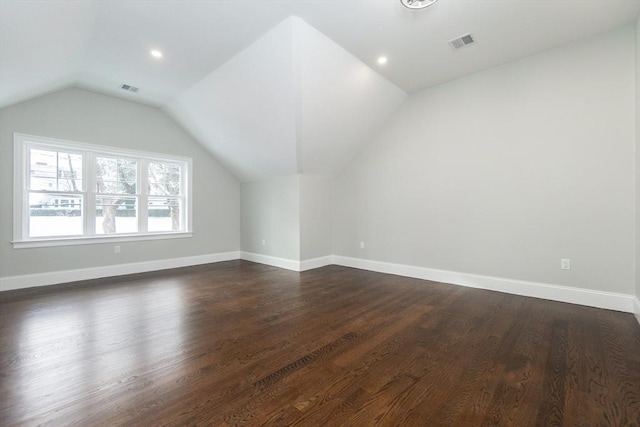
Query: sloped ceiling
point(245, 111)
point(306, 123)
point(341, 101)
point(292, 102)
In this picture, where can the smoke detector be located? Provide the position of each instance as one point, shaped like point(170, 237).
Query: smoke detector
point(129, 88)
point(462, 41)
point(417, 4)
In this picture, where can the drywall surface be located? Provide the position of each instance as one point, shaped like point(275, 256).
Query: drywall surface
point(83, 116)
point(315, 217)
point(505, 172)
point(271, 217)
point(287, 217)
point(342, 102)
point(638, 162)
point(292, 102)
point(244, 110)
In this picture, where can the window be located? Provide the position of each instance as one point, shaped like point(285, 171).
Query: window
point(72, 193)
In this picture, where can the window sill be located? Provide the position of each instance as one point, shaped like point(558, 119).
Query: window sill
point(70, 241)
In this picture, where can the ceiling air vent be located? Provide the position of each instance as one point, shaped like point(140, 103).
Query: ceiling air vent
point(462, 41)
point(129, 88)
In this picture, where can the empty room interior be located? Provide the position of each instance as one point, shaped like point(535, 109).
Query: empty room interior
point(320, 213)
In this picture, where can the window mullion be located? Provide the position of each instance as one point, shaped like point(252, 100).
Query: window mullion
point(36, 154)
point(89, 208)
point(143, 199)
point(26, 176)
point(185, 193)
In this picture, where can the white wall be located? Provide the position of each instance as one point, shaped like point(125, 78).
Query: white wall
point(271, 212)
point(244, 111)
point(292, 102)
point(505, 172)
point(292, 214)
point(342, 101)
point(638, 168)
point(315, 217)
point(84, 116)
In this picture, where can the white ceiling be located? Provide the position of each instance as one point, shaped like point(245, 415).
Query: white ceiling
point(100, 44)
point(292, 102)
point(245, 111)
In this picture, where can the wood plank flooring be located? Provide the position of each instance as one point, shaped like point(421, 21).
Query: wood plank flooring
point(243, 344)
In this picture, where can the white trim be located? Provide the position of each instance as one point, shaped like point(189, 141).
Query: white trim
point(287, 264)
point(55, 277)
point(19, 203)
point(310, 264)
point(23, 142)
point(92, 240)
point(101, 149)
point(588, 297)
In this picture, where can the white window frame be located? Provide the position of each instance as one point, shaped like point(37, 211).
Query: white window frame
point(23, 143)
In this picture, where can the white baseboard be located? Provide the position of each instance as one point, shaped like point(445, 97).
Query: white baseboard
point(310, 264)
point(588, 297)
point(599, 299)
point(285, 263)
point(65, 276)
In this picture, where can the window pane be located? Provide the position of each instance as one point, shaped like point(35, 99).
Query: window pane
point(116, 215)
point(116, 176)
point(164, 214)
point(55, 215)
point(164, 179)
point(55, 171)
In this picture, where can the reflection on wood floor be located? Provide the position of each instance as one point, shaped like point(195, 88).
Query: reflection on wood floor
point(238, 343)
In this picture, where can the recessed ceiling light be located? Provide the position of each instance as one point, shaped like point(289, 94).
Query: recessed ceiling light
point(156, 53)
point(417, 4)
point(382, 60)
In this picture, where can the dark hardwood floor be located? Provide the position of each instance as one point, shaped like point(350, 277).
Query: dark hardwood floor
point(238, 343)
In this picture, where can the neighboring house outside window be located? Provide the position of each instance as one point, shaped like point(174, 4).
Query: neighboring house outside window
point(72, 193)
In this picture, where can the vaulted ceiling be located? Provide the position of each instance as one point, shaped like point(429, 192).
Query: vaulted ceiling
point(274, 87)
point(292, 102)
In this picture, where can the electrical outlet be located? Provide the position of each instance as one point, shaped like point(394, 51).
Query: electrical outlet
point(264, 242)
point(361, 245)
point(565, 264)
point(116, 249)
